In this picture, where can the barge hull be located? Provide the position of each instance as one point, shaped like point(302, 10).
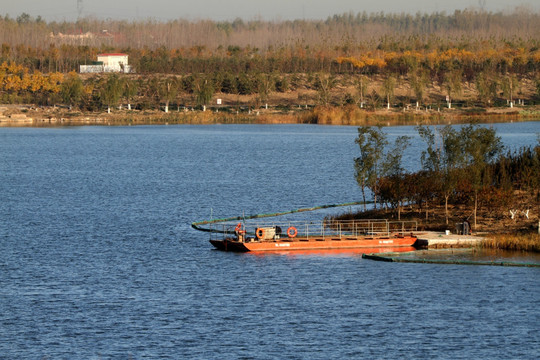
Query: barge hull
point(313, 244)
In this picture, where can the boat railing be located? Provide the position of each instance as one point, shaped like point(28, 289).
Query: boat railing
point(321, 229)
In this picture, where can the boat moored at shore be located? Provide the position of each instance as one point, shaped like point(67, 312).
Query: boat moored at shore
point(327, 234)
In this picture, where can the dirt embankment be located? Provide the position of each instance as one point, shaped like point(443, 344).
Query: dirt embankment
point(296, 106)
point(521, 218)
point(28, 115)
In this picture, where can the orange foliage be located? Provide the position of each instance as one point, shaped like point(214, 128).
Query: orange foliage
point(362, 62)
point(16, 78)
point(434, 58)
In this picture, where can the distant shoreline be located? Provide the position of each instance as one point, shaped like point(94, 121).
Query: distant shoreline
point(350, 115)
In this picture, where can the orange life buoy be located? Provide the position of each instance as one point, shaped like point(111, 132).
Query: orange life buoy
point(260, 233)
point(238, 227)
point(292, 232)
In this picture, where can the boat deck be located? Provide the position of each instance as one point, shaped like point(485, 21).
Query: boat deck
point(305, 236)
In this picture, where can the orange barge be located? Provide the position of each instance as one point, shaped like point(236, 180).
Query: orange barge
point(325, 235)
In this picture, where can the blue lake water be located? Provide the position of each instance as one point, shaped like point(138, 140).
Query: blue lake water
point(98, 259)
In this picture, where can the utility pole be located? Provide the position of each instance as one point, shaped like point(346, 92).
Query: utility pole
point(79, 8)
point(482, 4)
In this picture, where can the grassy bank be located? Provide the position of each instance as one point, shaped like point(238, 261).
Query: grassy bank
point(520, 242)
point(354, 116)
point(349, 115)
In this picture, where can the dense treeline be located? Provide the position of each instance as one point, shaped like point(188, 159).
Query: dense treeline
point(346, 31)
point(466, 166)
point(494, 55)
point(19, 84)
point(184, 47)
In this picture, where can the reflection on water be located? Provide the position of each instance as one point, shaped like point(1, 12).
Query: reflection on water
point(335, 252)
point(466, 255)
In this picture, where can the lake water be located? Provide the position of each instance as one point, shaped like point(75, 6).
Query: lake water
point(98, 259)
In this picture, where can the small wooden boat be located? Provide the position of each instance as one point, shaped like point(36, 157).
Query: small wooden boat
point(369, 234)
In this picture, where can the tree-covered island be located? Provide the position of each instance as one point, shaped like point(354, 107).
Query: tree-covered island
point(466, 176)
